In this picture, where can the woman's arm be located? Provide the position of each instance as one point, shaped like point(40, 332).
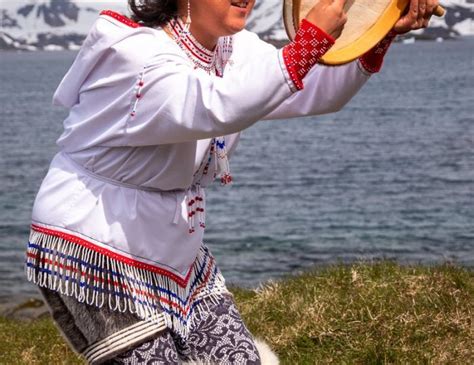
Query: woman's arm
point(327, 90)
point(178, 103)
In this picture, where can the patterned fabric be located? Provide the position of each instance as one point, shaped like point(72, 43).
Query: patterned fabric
point(310, 44)
point(372, 61)
point(218, 337)
point(160, 350)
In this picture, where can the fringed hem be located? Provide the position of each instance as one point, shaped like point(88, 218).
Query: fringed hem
point(95, 278)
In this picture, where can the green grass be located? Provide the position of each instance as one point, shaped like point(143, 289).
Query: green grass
point(37, 342)
point(380, 313)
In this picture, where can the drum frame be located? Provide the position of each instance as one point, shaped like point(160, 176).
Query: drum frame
point(357, 48)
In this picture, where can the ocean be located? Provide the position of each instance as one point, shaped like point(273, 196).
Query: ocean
point(391, 176)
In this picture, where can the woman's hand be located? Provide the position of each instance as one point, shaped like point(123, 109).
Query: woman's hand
point(418, 16)
point(329, 16)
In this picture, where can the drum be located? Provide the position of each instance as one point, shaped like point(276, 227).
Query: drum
point(368, 21)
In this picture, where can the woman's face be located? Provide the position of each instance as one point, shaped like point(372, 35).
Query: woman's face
point(218, 17)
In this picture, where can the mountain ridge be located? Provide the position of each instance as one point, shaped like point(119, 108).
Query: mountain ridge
point(63, 24)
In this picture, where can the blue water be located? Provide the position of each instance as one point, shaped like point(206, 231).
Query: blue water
point(390, 176)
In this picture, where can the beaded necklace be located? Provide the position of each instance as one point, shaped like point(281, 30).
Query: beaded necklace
point(212, 62)
point(198, 54)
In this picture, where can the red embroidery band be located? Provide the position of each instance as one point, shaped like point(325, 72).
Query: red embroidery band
point(121, 18)
point(372, 61)
point(310, 44)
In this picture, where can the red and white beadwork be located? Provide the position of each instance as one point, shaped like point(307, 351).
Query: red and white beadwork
point(195, 208)
point(121, 18)
point(309, 45)
point(199, 55)
point(138, 93)
point(222, 161)
point(372, 61)
point(213, 62)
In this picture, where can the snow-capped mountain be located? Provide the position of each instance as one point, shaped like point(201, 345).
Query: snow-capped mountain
point(63, 24)
point(49, 24)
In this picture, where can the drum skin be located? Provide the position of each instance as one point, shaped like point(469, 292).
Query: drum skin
point(368, 21)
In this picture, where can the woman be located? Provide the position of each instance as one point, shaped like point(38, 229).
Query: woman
point(156, 106)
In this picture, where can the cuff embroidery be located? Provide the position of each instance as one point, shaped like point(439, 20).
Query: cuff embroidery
point(372, 61)
point(310, 44)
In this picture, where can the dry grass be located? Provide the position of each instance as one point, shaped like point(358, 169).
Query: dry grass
point(362, 314)
point(367, 314)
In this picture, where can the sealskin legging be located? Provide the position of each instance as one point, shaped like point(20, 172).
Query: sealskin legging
point(218, 336)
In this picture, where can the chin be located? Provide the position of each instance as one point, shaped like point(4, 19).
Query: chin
point(235, 27)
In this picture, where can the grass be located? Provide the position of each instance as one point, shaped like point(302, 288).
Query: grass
point(33, 343)
point(380, 313)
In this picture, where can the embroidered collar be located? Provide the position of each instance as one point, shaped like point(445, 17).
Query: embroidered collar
point(197, 53)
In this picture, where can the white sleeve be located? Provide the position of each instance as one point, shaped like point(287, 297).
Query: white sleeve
point(326, 90)
point(179, 103)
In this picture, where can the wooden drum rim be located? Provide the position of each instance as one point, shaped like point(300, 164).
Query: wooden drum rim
point(354, 50)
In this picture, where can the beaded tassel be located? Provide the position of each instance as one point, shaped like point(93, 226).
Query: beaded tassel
point(138, 93)
point(191, 212)
point(223, 161)
point(200, 207)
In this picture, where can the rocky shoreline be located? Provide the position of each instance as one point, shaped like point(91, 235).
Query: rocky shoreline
point(23, 308)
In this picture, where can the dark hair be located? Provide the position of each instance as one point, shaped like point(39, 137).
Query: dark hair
point(153, 13)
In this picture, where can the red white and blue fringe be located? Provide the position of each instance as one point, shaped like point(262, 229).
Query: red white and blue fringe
point(76, 267)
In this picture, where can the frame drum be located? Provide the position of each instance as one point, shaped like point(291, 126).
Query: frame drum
point(368, 21)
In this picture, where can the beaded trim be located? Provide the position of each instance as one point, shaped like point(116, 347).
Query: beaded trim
point(198, 54)
point(121, 18)
point(65, 262)
point(372, 61)
point(213, 62)
point(310, 44)
point(138, 93)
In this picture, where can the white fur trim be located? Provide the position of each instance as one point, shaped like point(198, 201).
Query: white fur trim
point(267, 356)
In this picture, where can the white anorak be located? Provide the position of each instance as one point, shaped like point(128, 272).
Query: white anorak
point(139, 131)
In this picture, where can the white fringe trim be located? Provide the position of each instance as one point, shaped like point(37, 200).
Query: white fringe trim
point(96, 279)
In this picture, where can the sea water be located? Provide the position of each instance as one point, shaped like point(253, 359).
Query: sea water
point(389, 176)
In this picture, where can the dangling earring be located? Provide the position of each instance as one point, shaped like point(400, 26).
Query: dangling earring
point(187, 25)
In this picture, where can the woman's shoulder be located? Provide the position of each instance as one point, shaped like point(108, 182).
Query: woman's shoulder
point(116, 48)
point(134, 42)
